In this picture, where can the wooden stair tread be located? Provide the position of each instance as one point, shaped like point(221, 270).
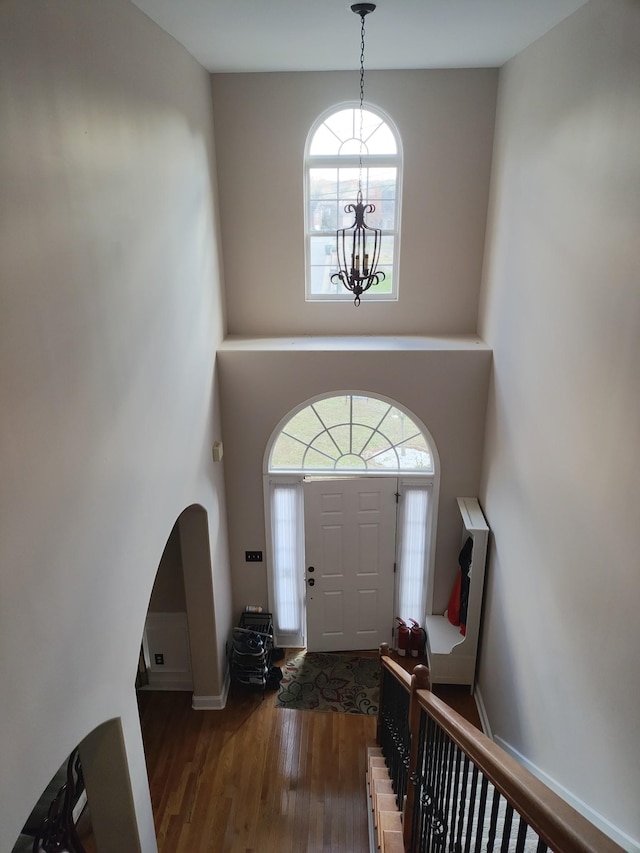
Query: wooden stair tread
point(380, 786)
point(388, 821)
point(378, 773)
point(392, 841)
point(386, 803)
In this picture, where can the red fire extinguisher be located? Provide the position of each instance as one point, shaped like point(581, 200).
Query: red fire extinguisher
point(404, 637)
point(417, 638)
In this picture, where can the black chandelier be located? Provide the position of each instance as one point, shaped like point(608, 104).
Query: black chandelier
point(358, 247)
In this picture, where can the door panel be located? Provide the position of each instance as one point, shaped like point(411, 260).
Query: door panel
point(350, 528)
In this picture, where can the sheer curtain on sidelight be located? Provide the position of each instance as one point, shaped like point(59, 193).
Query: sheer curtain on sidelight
point(413, 550)
point(287, 536)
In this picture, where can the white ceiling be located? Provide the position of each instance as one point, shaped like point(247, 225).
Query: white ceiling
point(319, 35)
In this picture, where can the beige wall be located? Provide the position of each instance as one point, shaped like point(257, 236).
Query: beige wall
point(110, 314)
point(445, 120)
point(167, 595)
point(561, 310)
point(445, 387)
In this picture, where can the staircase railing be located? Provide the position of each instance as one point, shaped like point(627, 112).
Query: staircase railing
point(457, 790)
point(393, 725)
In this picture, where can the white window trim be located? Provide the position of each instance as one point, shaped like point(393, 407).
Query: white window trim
point(352, 161)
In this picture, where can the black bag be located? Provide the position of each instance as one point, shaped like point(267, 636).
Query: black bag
point(274, 678)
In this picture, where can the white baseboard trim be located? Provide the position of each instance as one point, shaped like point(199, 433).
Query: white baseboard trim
point(212, 703)
point(168, 682)
point(625, 841)
point(482, 712)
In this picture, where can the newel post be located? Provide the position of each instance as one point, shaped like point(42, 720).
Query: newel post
point(384, 652)
point(420, 680)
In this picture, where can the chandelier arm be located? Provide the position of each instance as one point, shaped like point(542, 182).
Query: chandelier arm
point(377, 245)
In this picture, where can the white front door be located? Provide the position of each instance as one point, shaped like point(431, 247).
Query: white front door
point(350, 539)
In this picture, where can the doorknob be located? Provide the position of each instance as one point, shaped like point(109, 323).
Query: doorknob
point(311, 581)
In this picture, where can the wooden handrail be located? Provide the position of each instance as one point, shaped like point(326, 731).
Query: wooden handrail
point(394, 668)
point(562, 828)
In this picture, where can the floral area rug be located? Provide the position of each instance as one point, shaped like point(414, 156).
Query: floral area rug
point(319, 681)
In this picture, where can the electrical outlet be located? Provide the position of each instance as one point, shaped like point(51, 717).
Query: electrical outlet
point(253, 556)
point(159, 657)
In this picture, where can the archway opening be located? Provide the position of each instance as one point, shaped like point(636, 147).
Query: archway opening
point(179, 648)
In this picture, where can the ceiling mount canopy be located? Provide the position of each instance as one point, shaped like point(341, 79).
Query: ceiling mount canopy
point(363, 9)
point(359, 245)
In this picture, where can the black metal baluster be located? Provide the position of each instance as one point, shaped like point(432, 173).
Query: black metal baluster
point(484, 785)
point(472, 808)
point(445, 810)
point(403, 779)
point(455, 796)
point(522, 836)
point(506, 829)
point(429, 790)
point(394, 733)
point(493, 821)
point(429, 782)
point(427, 793)
point(419, 780)
point(438, 789)
point(463, 802)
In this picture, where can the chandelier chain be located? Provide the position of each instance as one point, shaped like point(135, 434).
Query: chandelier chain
point(361, 60)
point(361, 98)
point(358, 246)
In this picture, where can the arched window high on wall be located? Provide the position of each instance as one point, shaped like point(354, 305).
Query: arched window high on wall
point(347, 435)
point(332, 160)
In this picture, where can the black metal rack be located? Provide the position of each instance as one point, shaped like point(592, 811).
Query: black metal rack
point(252, 649)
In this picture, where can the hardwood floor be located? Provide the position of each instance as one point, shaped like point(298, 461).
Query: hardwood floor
point(254, 777)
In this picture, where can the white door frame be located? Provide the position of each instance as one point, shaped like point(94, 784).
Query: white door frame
point(297, 477)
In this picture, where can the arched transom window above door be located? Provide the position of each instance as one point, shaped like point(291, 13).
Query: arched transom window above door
point(351, 433)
